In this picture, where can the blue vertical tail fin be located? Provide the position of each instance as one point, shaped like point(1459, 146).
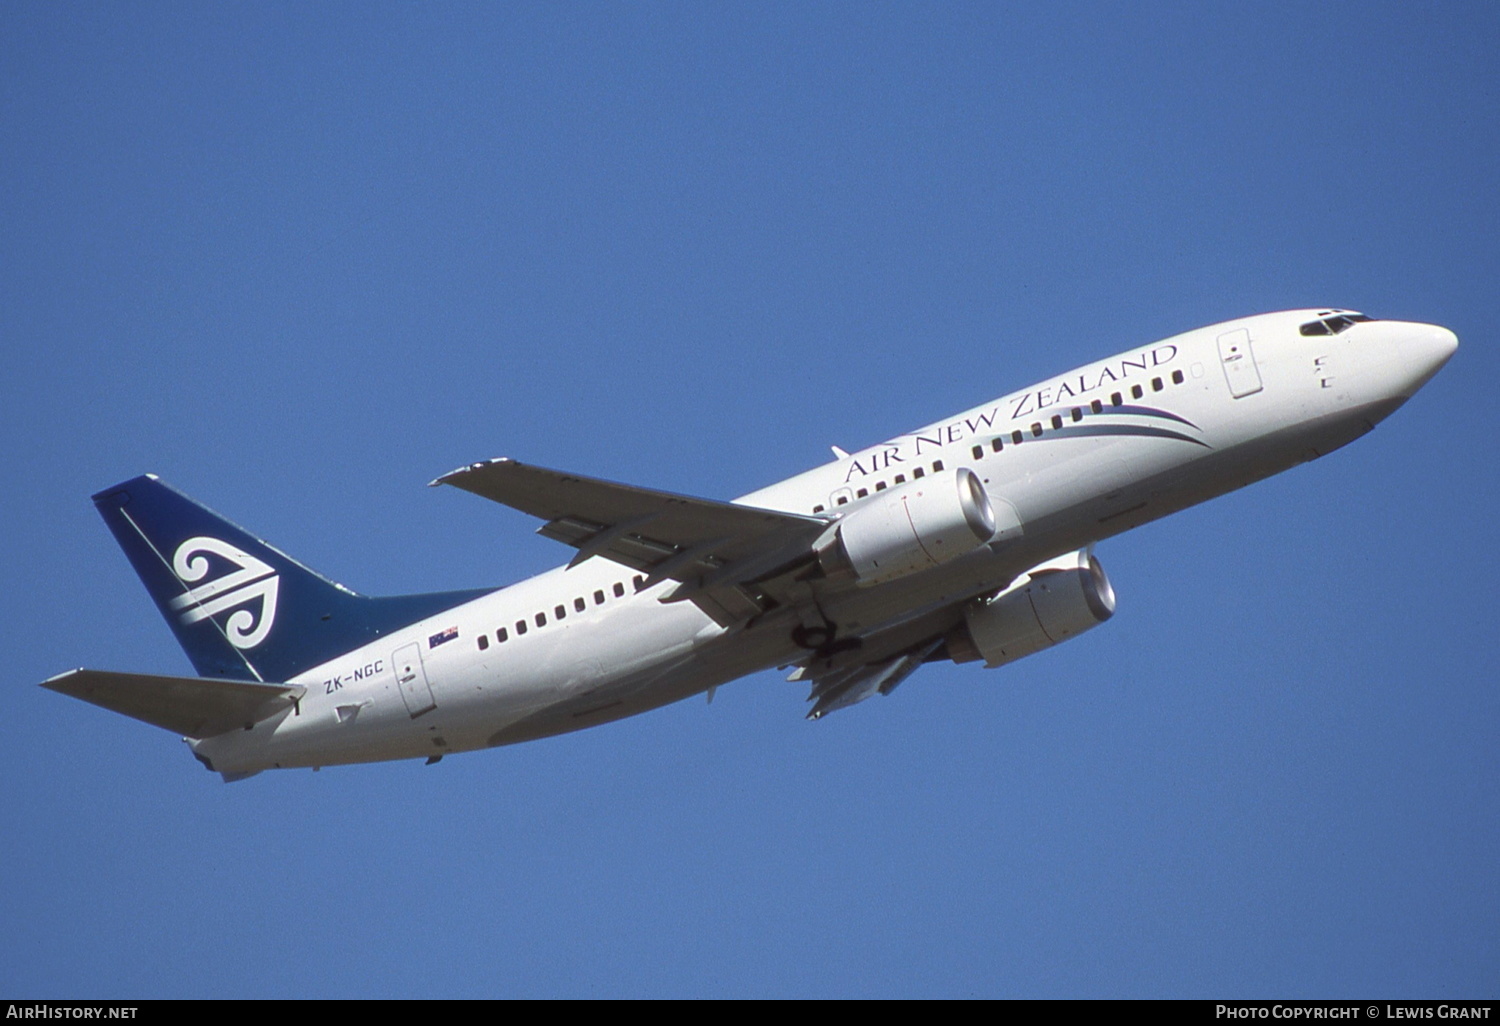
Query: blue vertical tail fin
point(241, 608)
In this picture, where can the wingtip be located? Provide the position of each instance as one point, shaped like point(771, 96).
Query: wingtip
point(447, 478)
point(52, 683)
point(467, 468)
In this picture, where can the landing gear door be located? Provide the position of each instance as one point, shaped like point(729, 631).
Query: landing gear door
point(412, 680)
point(1238, 361)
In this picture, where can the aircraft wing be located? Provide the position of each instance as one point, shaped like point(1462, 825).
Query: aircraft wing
point(840, 687)
point(192, 706)
point(716, 550)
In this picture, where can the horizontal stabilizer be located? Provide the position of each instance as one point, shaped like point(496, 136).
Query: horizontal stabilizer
point(192, 706)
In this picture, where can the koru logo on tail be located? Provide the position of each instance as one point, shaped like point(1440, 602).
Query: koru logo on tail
point(239, 587)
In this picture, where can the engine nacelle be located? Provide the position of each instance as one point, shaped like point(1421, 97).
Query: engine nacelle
point(912, 527)
point(1052, 602)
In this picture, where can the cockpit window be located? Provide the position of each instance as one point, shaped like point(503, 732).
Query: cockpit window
point(1333, 324)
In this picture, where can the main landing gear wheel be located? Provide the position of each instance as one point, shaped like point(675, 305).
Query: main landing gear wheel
point(814, 637)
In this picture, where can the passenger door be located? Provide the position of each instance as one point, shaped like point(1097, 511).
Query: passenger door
point(1238, 361)
point(412, 679)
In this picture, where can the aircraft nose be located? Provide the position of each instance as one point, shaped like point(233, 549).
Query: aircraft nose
point(1425, 350)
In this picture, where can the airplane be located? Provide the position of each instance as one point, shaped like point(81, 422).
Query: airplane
point(971, 539)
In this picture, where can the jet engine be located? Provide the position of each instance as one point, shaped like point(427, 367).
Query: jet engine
point(911, 527)
point(1051, 602)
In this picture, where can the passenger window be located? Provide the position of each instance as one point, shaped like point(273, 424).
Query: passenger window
point(900, 478)
point(598, 598)
point(578, 605)
point(501, 634)
point(560, 612)
point(1136, 391)
point(880, 486)
point(862, 493)
point(996, 444)
point(979, 452)
point(1077, 415)
point(619, 589)
point(1156, 385)
point(1177, 377)
point(1036, 431)
point(541, 619)
point(1015, 436)
point(843, 499)
point(1056, 423)
point(817, 509)
point(1117, 400)
point(918, 472)
point(520, 627)
point(640, 582)
point(1096, 406)
point(937, 466)
point(484, 642)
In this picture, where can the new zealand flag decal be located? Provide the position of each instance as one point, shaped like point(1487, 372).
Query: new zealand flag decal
point(438, 639)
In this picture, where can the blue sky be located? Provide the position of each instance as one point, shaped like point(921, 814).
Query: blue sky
point(301, 259)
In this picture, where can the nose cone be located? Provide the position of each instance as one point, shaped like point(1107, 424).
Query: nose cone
point(1424, 350)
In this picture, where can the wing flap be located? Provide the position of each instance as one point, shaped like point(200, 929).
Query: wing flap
point(192, 706)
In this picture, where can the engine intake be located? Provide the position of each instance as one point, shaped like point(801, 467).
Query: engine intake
point(1050, 603)
point(912, 527)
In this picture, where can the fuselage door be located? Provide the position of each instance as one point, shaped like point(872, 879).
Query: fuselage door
point(412, 679)
point(1238, 360)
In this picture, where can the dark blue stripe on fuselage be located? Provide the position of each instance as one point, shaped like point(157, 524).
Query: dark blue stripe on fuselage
point(1118, 430)
point(1148, 411)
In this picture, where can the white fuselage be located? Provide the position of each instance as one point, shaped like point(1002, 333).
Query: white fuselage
point(1066, 462)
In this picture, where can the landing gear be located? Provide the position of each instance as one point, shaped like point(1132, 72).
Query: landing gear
point(813, 637)
point(819, 638)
